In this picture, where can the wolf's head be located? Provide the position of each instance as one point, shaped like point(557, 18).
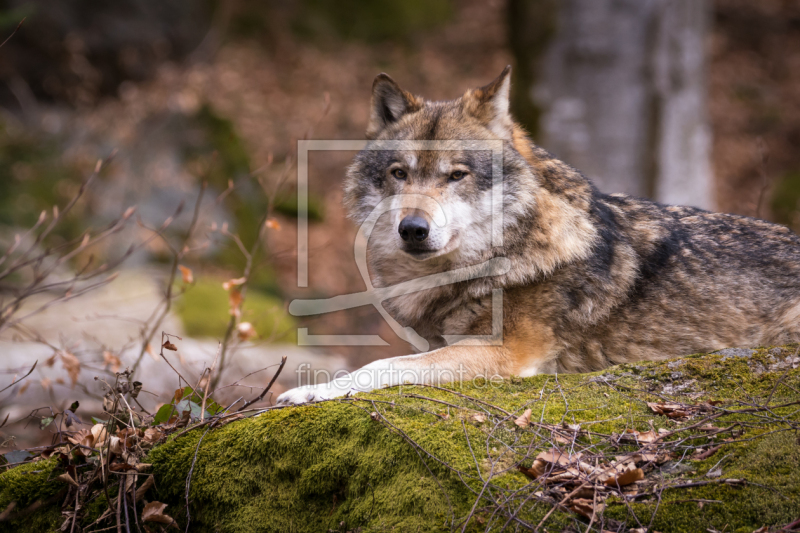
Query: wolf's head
point(450, 162)
point(459, 180)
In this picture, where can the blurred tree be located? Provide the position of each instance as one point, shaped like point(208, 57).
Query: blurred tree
point(617, 88)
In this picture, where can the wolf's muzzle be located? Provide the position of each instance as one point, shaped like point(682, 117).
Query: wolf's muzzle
point(413, 229)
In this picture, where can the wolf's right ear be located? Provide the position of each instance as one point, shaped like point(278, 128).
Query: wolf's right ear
point(389, 104)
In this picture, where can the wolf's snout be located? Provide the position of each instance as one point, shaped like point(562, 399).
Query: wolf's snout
point(414, 228)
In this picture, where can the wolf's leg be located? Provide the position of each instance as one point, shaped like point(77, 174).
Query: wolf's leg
point(451, 363)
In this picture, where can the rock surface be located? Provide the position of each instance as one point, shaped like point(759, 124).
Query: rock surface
point(722, 456)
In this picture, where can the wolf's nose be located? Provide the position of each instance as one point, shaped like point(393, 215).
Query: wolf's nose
point(414, 228)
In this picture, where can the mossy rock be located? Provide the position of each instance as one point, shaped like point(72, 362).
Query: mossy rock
point(392, 461)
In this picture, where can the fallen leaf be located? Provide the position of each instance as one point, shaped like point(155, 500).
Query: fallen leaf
point(186, 274)
point(558, 457)
point(537, 469)
point(115, 445)
point(245, 331)
point(625, 478)
point(647, 437)
point(99, 433)
point(524, 420)
point(586, 507)
point(717, 472)
point(129, 436)
point(645, 457)
point(670, 410)
point(477, 418)
point(83, 437)
point(152, 435)
point(154, 512)
point(72, 365)
point(111, 361)
point(66, 478)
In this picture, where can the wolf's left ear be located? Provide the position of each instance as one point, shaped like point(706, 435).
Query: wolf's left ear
point(490, 104)
point(389, 104)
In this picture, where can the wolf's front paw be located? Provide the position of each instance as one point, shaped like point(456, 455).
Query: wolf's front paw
point(311, 393)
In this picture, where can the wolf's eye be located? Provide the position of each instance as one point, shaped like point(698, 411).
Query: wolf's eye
point(457, 175)
point(399, 173)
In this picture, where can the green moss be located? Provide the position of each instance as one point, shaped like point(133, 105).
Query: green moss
point(336, 466)
point(204, 311)
point(26, 485)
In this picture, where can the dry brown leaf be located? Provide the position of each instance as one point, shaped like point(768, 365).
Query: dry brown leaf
point(647, 437)
point(99, 433)
point(586, 507)
point(72, 365)
point(169, 346)
point(524, 420)
point(235, 302)
point(536, 470)
point(625, 478)
point(46, 383)
point(152, 435)
point(477, 418)
point(670, 410)
point(154, 512)
point(273, 224)
point(111, 361)
point(186, 274)
point(23, 388)
point(115, 445)
point(231, 283)
point(558, 457)
point(83, 437)
point(245, 331)
point(51, 360)
point(645, 457)
point(129, 436)
point(66, 478)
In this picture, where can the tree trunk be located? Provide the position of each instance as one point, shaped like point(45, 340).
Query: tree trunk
point(619, 92)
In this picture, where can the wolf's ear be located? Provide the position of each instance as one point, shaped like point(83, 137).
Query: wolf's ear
point(389, 104)
point(490, 103)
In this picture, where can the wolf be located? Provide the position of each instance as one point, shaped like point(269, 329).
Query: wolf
point(593, 279)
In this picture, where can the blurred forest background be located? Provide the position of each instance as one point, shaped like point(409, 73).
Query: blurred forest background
point(685, 101)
